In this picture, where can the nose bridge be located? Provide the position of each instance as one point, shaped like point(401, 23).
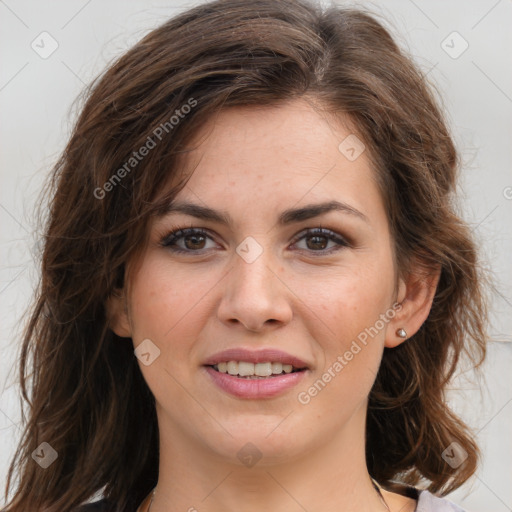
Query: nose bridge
point(251, 274)
point(253, 295)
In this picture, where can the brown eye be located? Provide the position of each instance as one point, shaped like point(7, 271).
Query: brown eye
point(194, 241)
point(186, 240)
point(317, 240)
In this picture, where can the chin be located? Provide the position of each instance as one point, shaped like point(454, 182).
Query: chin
point(265, 438)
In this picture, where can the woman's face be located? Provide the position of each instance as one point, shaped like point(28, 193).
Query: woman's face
point(259, 285)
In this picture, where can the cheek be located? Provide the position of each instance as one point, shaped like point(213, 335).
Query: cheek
point(352, 348)
point(353, 299)
point(162, 298)
point(349, 307)
point(166, 307)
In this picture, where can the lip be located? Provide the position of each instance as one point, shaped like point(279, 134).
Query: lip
point(255, 356)
point(255, 388)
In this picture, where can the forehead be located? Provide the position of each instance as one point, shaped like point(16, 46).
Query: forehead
point(294, 129)
point(268, 156)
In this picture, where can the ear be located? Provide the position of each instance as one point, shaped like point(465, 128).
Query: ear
point(117, 314)
point(415, 295)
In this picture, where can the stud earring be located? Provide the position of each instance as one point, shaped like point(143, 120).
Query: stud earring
point(401, 333)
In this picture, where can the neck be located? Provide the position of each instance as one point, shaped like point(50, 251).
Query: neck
point(330, 476)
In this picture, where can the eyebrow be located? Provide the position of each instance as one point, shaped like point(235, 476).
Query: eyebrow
point(287, 217)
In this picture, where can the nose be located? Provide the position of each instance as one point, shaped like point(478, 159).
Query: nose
point(255, 295)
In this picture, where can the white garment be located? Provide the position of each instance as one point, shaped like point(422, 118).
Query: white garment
point(428, 502)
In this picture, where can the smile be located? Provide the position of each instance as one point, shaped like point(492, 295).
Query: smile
point(255, 374)
point(250, 370)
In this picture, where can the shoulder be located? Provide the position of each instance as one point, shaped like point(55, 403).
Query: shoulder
point(428, 502)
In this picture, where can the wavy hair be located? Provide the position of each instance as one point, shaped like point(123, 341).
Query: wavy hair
point(76, 375)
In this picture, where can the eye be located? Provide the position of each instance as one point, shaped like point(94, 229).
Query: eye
point(317, 240)
point(193, 239)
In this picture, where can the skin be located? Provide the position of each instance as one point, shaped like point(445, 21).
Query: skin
point(308, 301)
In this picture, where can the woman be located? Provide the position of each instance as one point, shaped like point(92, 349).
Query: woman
point(254, 285)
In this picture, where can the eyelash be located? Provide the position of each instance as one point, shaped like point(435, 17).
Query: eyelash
point(177, 233)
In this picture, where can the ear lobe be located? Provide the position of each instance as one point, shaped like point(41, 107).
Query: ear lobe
point(415, 296)
point(117, 314)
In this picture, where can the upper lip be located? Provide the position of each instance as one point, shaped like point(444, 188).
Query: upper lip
point(255, 356)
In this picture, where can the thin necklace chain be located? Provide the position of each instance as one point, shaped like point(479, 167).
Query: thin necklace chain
point(375, 484)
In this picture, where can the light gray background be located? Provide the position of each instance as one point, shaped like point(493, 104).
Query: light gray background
point(36, 96)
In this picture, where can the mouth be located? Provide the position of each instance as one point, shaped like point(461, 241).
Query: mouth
point(255, 374)
point(248, 370)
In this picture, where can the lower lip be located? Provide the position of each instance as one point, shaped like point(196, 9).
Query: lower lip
point(255, 388)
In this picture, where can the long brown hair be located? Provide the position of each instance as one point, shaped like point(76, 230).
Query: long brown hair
point(88, 399)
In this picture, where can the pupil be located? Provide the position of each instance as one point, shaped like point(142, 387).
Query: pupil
point(195, 238)
point(319, 245)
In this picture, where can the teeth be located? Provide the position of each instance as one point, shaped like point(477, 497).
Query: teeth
point(263, 369)
point(277, 367)
point(246, 369)
point(232, 368)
